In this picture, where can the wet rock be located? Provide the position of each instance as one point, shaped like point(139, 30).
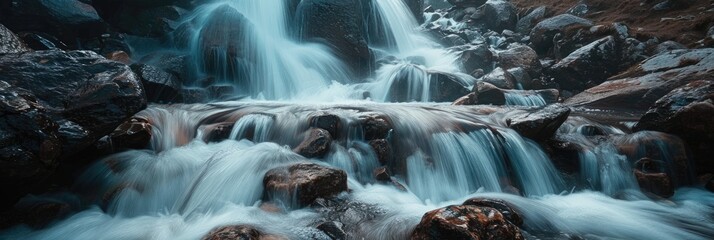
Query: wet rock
point(497, 15)
point(302, 183)
point(686, 112)
point(66, 19)
point(543, 33)
point(526, 23)
point(316, 143)
point(330, 122)
point(500, 78)
point(218, 132)
point(242, 232)
point(382, 149)
point(160, 86)
point(469, 99)
point(540, 124)
point(107, 43)
point(375, 126)
point(11, 43)
point(132, 134)
point(345, 33)
point(520, 56)
point(500, 205)
point(153, 22)
point(465, 222)
point(473, 57)
point(194, 95)
point(120, 56)
point(382, 174)
point(42, 41)
point(467, 3)
point(642, 85)
point(55, 104)
point(417, 9)
point(223, 51)
point(333, 230)
point(36, 214)
point(588, 66)
point(352, 214)
point(489, 94)
point(652, 178)
point(446, 87)
point(177, 64)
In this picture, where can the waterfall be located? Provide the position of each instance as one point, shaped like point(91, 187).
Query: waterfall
point(517, 99)
point(256, 53)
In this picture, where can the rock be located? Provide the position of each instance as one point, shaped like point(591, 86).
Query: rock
point(520, 56)
point(446, 87)
point(55, 104)
point(382, 149)
point(642, 85)
point(686, 112)
point(587, 66)
point(242, 232)
point(10, 43)
point(581, 9)
point(541, 124)
point(42, 41)
point(224, 48)
point(333, 230)
point(542, 34)
point(497, 15)
point(160, 86)
point(107, 43)
point(469, 99)
point(382, 174)
point(302, 183)
point(36, 214)
point(652, 178)
point(710, 185)
point(526, 23)
point(549, 96)
point(66, 19)
point(155, 22)
point(194, 95)
point(500, 205)
point(178, 64)
point(465, 222)
point(489, 94)
point(330, 122)
point(133, 134)
point(473, 57)
point(467, 3)
point(667, 46)
point(218, 132)
point(346, 32)
point(375, 126)
point(500, 78)
point(120, 56)
point(316, 143)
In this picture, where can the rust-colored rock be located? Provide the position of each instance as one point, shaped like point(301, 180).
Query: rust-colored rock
point(242, 232)
point(465, 222)
point(383, 150)
point(300, 184)
point(132, 134)
point(652, 178)
point(499, 205)
point(316, 144)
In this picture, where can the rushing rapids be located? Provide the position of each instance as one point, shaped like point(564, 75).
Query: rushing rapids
point(195, 178)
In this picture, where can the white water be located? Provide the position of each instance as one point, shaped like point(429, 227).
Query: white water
point(516, 99)
point(182, 188)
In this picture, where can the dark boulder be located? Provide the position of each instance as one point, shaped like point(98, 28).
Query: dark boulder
point(217, 132)
point(66, 19)
point(42, 41)
point(496, 15)
point(417, 9)
point(160, 86)
point(686, 112)
point(540, 124)
point(300, 184)
point(383, 150)
point(653, 178)
point(57, 103)
point(473, 57)
point(330, 122)
point(224, 45)
point(467, 3)
point(179, 65)
point(335, 230)
point(642, 85)
point(446, 87)
point(346, 32)
point(500, 205)
point(520, 56)
point(489, 94)
point(466, 222)
point(587, 66)
point(500, 78)
point(375, 126)
point(316, 143)
point(543, 33)
point(526, 23)
point(133, 134)
point(10, 43)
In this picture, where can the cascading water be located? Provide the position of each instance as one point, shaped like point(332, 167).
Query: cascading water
point(184, 186)
point(515, 99)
